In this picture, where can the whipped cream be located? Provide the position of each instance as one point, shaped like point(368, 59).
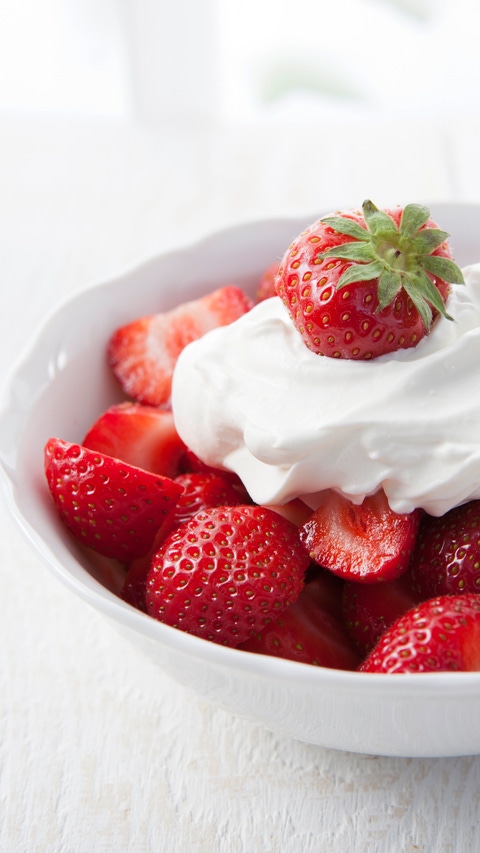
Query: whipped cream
point(252, 398)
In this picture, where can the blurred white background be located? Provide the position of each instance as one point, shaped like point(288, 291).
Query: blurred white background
point(234, 61)
point(128, 127)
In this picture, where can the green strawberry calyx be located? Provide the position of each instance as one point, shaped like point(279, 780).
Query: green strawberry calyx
point(398, 256)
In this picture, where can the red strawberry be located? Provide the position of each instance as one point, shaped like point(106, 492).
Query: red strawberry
point(440, 634)
point(365, 542)
point(446, 559)
point(191, 463)
point(114, 508)
point(200, 491)
point(359, 285)
point(369, 609)
point(309, 631)
point(135, 581)
point(139, 435)
point(143, 353)
point(225, 573)
point(267, 287)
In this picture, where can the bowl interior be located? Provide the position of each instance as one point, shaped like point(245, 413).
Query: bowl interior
point(61, 385)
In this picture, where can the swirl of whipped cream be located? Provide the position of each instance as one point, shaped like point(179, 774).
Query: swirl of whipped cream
point(252, 398)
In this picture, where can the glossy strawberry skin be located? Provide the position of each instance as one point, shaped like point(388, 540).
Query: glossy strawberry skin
point(139, 435)
point(438, 635)
point(143, 353)
point(369, 609)
point(191, 463)
point(365, 543)
point(446, 559)
point(345, 323)
point(225, 573)
point(309, 631)
point(114, 508)
point(200, 491)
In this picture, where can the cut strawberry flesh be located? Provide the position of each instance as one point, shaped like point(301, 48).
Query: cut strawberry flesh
point(143, 354)
point(364, 542)
point(140, 435)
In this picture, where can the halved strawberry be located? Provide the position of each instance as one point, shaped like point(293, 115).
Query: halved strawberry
point(225, 573)
point(446, 560)
point(365, 542)
point(309, 631)
point(369, 609)
point(114, 508)
point(440, 634)
point(143, 353)
point(140, 435)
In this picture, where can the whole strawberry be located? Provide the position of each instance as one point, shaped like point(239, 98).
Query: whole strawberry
point(446, 559)
point(225, 573)
point(359, 285)
point(440, 634)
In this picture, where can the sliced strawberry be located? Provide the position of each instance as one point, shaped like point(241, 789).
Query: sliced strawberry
point(140, 435)
point(369, 609)
point(309, 631)
point(226, 572)
point(440, 634)
point(143, 353)
point(112, 507)
point(365, 542)
point(266, 288)
point(446, 560)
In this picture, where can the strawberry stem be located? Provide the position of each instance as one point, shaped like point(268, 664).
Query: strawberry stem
point(400, 257)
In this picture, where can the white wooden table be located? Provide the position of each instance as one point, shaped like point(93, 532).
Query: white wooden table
point(98, 751)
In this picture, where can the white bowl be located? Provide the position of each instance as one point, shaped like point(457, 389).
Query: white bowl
point(61, 386)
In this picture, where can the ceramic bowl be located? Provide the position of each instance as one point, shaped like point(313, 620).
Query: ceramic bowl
point(60, 387)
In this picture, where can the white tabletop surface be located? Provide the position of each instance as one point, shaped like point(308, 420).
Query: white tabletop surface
point(98, 751)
